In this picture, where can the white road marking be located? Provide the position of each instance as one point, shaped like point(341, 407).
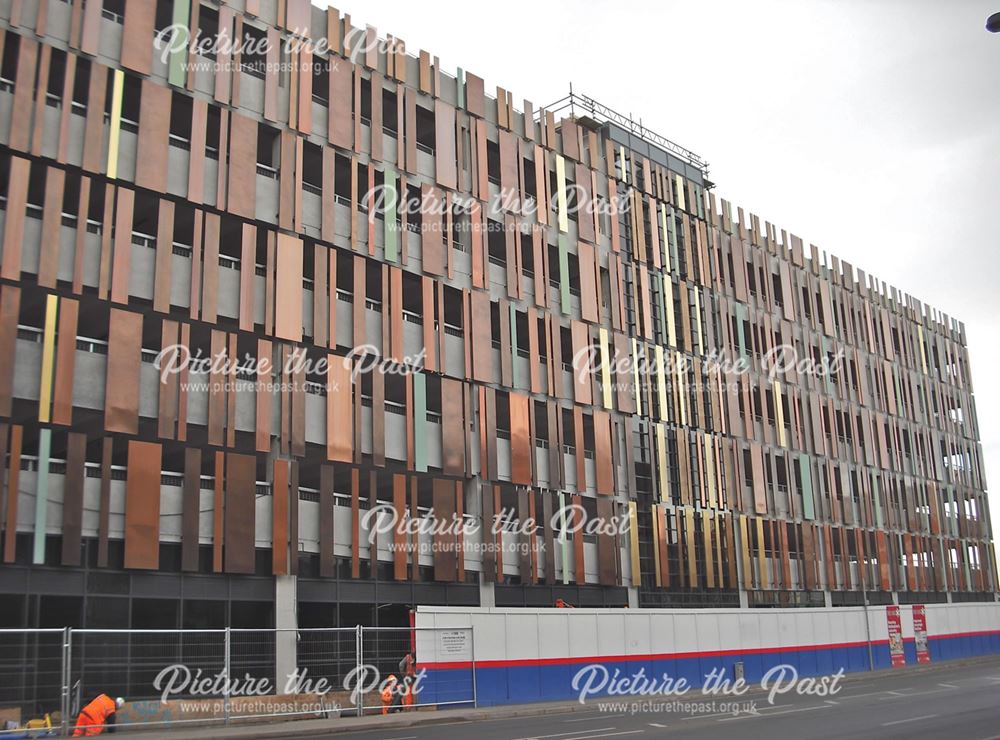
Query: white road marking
point(775, 714)
point(910, 719)
point(591, 717)
point(831, 701)
point(609, 734)
point(949, 685)
point(564, 734)
point(654, 724)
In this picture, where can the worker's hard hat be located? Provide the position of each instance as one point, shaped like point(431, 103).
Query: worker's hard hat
point(119, 702)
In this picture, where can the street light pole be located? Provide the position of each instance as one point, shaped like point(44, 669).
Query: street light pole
point(993, 23)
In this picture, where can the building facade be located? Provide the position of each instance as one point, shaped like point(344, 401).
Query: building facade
point(545, 316)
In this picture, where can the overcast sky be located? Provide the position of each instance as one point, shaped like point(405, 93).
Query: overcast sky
point(869, 128)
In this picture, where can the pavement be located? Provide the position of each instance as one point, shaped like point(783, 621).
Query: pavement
point(958, 699)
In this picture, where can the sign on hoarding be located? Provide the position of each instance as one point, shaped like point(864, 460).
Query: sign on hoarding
point(895, 626)
point(920, 633)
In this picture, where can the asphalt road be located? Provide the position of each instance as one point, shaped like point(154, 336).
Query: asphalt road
point(947, 701)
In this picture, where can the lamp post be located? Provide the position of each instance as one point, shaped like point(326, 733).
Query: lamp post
point(993, 23)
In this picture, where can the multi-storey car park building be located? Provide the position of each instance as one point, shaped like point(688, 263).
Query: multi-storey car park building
point(155, 197)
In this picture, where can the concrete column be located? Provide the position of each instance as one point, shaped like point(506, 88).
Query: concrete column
point(487, 596)
point(827, 599)
point(895, 598)
point(633, 598)
point(285, 618)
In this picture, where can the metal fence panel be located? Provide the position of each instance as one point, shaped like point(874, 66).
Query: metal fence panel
point(190, 677)
point(31, 676)
point(444, 670)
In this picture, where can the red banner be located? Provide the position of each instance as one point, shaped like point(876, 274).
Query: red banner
point(920, 633)
point(895, 636)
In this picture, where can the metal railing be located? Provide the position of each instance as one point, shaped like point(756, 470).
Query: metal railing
point(183, 678)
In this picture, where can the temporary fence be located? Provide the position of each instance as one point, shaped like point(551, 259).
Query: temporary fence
point(198, 677)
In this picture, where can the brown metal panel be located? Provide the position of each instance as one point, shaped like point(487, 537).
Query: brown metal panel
point(321, 308)
point(759, 490)
point(298, 409)
point(279, 519)
point(327, 563)
point(453, 426)
point(142, 506)
point(355, 524)
point(521, 448)
point(588, 282)
point(76, 457)
point(210, 273)
point(122, 258)
point(79, 246)
point(482, 337)
point(164, 257)
point(104, 511)
point(121, 399)
point(62, 402)
point(264, 394)
point(432, 248)
point(579, 563)
point(288, 306)
point(341, 128)
point(48, 256)
point(445, 555)
point(445, 155)
point(339, 434)
point(216, 391)
point(582, 380)
point(378, 419)
point(95, 158)
point(196, 156)
point(13, 232)
point(242, 166)
point(13, 479)
point(607, 552)
point(239, 514)
point(603, 461)
point(137, 31)
point(24, 88)
point(399, 531)
point(248, 276)
point(191, 510)
point(154, 131)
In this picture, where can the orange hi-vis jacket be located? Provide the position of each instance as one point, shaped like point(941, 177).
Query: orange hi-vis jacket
point(94, 716)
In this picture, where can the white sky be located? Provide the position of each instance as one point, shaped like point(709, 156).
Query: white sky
point(871, 129)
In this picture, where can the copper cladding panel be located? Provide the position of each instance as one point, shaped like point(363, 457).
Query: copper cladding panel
point(48, 257)
point(24, 86)
point(603, 460)
point(398, 531)
point(341, 127)
point(62, 402)
point(581, 363)
point(142, 506)
point(288, 294)
point(239, 514)
point(242, 166)
point(191, 509)
point(607, 552)
point(76, 457)
point(521, 448)
point(13, 232)
point(121, 393)
point(453, 426)
point(154, 130)
point(482, 337)
point(13, 465)
point(339, 410)
point(445, 555)
point(121, 261)
point(94, 144)
point(445, 141)
point(327, 565)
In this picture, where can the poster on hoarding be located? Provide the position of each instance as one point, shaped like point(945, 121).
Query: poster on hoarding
point(920, 633)
point(895, 636)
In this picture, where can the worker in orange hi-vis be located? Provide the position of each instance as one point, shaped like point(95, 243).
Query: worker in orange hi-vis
point(408, 667)
point(560, 604)
point(98, 716)
point(388, 693)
